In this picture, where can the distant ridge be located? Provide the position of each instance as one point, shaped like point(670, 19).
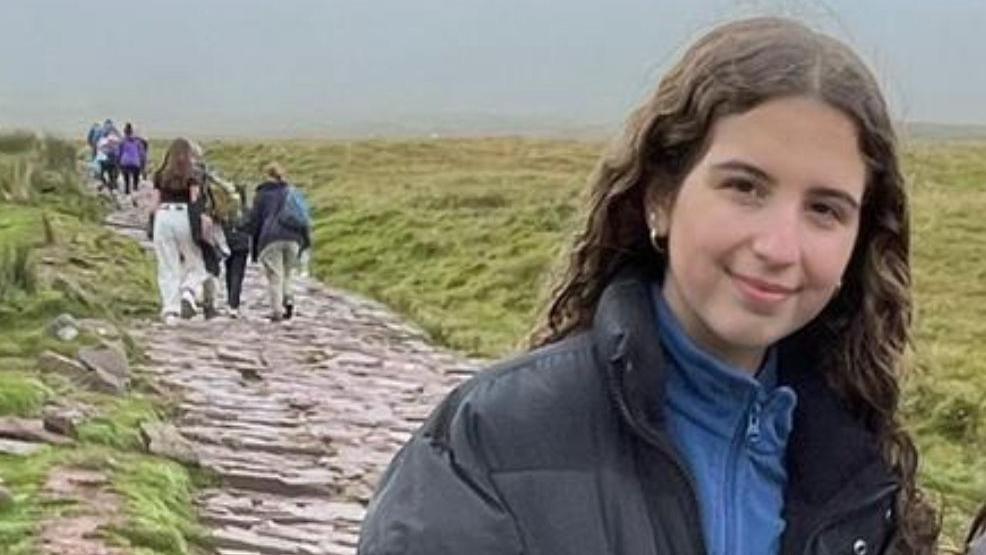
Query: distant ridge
point(944, 131)
point(444, 125)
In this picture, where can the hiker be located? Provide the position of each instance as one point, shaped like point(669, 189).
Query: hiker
point(181, 270)
point(107, 158)
point(239, 247)
point(133, 157)
point(718, 369)
point(92, 138)
point(207, 231)
point(224, 210)
point(280, 229)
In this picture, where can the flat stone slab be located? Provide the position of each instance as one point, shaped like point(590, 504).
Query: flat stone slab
point(19, 448)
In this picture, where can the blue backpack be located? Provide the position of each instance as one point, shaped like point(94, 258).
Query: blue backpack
point(294, 211)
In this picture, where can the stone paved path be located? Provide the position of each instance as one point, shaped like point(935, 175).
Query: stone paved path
point(298, 418)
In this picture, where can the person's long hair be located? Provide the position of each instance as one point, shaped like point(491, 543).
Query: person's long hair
point(863, 333)
point(177, 165)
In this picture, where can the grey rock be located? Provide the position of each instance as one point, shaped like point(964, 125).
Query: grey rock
point(250, 374)
point(52, 362)
point(109, 366)
point(28, 429)
point(107, 357)
point(65, 327)
point(63, 420)
point(164, 440)
point(100, 328)
point(238, 538)
point(19, 448)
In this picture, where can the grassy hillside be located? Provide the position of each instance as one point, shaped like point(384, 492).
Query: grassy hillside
point(461, 234)
point(55, 257)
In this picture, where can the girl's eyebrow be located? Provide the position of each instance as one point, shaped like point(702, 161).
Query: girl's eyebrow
point(821, 190)
point(745, 167)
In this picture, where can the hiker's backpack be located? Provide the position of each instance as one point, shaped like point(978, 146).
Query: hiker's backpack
point(294, 211)
point(224, 200)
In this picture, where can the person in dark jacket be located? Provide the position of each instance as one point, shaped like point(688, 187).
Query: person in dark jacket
point(718, 368)
point(274, 244)
point(239, 249)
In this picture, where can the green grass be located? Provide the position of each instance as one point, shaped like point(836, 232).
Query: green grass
point(158, 493)
point(457, 235)
point(119, 424)
point(460, 236)
point(57, 258)
point(22, 394)
point(23, 477)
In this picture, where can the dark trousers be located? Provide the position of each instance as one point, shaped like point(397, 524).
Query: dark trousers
point(108, 172)
point(235, 270)
point(131, 174)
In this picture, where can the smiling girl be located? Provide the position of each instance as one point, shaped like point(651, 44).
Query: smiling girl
point(718, 369)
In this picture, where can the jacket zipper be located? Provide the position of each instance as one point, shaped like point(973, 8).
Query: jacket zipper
point(837, 516)
point(748, 429)
point(659, 443)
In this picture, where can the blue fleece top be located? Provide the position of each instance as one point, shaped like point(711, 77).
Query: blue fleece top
point(731, 430)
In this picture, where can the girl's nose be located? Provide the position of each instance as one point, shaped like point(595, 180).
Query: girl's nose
point(778, 241)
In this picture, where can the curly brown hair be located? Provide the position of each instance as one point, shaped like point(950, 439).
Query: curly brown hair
point(862, 336)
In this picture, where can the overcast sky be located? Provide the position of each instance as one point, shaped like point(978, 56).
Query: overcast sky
point(304, 67)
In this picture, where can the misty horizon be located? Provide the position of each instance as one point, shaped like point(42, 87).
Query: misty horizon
point(309, 68)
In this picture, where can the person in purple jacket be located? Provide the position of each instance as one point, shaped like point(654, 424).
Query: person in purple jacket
point(133, 157)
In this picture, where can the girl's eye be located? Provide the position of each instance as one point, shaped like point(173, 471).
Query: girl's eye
point(826, 212)
point(745, 188)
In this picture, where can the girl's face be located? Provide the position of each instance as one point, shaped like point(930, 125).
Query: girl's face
point(763, 226)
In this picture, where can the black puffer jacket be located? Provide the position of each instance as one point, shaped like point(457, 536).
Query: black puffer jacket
point(564, 451)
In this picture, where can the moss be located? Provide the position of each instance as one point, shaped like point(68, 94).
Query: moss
point(118, 424)
point(159, 499)
point(22, 394)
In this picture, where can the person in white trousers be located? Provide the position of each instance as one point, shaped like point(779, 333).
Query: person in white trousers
point(181, 270)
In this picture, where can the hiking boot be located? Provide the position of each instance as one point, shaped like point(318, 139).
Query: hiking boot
point(188, 308)
point(209, 311)
point(288, 310)
point(170, 319)
point(234, 313)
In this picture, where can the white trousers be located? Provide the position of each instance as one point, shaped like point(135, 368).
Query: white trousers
point(179, 260)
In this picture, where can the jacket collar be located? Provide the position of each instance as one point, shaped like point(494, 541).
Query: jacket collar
point(270, 185)
point(828, 445)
